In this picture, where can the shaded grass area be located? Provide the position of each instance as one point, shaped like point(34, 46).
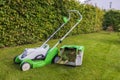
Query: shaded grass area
point(101, 60)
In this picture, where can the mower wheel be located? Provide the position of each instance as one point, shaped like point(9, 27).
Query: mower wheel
point(25, 66)
point(14, 60)
point(56, 58)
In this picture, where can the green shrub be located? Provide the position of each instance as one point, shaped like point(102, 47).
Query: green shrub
point(119, 32)
point(30, 21)
point(112, 18)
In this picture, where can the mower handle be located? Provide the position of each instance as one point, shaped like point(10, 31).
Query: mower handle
point(79, 20)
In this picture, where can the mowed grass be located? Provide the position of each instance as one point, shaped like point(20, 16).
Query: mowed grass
point(101, 60)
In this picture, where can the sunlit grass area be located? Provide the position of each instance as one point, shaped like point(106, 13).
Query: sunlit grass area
point(101, 60)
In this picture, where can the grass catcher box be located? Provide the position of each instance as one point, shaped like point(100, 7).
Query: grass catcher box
point(71, 55)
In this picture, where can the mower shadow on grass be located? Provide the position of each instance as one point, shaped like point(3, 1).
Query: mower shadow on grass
point(16, 67)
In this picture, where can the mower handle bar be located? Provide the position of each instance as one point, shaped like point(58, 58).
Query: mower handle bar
point(79, 20)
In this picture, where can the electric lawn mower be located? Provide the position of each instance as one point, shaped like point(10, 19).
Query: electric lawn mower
point(43, 55)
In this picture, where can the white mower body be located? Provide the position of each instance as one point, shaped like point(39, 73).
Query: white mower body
point(33, 53)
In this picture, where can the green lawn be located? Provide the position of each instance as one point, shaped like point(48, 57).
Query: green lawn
point(101, 60)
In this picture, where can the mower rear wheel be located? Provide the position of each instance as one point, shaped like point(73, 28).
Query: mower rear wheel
point(56, 58)
point(25, 66)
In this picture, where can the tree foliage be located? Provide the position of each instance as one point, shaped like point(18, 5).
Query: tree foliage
point(112, 18)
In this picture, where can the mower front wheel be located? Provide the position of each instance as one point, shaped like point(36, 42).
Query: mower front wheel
point(25, 66)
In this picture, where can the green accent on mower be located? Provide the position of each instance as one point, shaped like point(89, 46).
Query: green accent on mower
point(65, 19)
point(17, 60)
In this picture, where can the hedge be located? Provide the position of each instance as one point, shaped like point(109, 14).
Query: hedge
point(30, 21)
point(112, 18)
